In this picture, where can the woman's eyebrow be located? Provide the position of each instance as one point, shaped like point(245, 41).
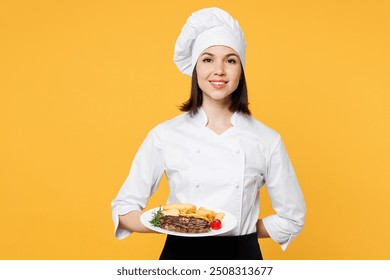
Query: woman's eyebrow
point(231, 54)
point(207, 53)
point(210, 54)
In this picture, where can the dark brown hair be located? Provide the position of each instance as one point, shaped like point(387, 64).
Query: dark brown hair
point(239, 97)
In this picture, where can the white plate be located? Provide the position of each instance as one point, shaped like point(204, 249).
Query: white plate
point(228, 223)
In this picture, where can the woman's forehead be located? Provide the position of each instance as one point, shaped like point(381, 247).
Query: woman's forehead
point(220, 50)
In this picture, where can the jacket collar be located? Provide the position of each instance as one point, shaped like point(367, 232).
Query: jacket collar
point(201, 118)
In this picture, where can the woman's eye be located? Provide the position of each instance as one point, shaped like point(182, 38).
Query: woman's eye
point(231, 61)
point(207, 60)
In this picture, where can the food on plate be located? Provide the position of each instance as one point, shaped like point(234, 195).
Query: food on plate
point(216, 224)
point(182, 207)
point(187, 218)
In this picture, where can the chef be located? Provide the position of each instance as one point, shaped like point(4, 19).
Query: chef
point(214, 154)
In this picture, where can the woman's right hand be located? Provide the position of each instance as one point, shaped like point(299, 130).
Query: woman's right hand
point(132, 222)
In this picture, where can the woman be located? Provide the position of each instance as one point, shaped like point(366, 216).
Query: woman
point(215, 154)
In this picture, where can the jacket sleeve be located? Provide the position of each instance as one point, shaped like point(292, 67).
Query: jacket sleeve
point(286, 197)
point(142, 181)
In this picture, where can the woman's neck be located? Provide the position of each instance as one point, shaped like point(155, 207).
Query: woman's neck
point(219, 117)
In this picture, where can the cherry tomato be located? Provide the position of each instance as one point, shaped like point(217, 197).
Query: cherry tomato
point(216, 224)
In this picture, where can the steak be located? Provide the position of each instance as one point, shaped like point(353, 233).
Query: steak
point(184, 224)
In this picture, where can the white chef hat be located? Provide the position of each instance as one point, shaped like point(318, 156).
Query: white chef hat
point(205, 28)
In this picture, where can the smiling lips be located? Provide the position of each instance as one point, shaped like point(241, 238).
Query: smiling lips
point(218, 83)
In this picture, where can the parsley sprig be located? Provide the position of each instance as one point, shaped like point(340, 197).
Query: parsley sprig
point(156, 218)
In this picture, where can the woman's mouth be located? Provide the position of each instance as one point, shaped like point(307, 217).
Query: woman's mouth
point(218, 84)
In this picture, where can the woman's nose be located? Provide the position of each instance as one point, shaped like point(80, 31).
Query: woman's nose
point(219, 68)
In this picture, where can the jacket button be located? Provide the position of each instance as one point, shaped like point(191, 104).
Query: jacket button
point(197, 150)
point(237, 151)
point(236, 185)
point(196, 185)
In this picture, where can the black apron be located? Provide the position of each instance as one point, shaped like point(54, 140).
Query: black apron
point(244, 247)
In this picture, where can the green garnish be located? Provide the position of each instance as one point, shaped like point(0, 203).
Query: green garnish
point(156, 218)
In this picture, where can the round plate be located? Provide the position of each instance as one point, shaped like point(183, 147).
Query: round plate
point(228, 223)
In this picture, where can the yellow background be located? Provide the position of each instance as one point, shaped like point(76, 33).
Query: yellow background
point(82, 82)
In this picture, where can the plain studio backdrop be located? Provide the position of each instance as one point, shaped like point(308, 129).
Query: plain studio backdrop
point(82, 83)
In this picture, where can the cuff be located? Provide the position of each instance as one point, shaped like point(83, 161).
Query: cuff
point(281, 237)
point(121, 233)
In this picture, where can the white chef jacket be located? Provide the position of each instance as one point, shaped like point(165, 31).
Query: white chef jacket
point(223, 171)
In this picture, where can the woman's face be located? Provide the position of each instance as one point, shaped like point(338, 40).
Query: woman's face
point(218, 71)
